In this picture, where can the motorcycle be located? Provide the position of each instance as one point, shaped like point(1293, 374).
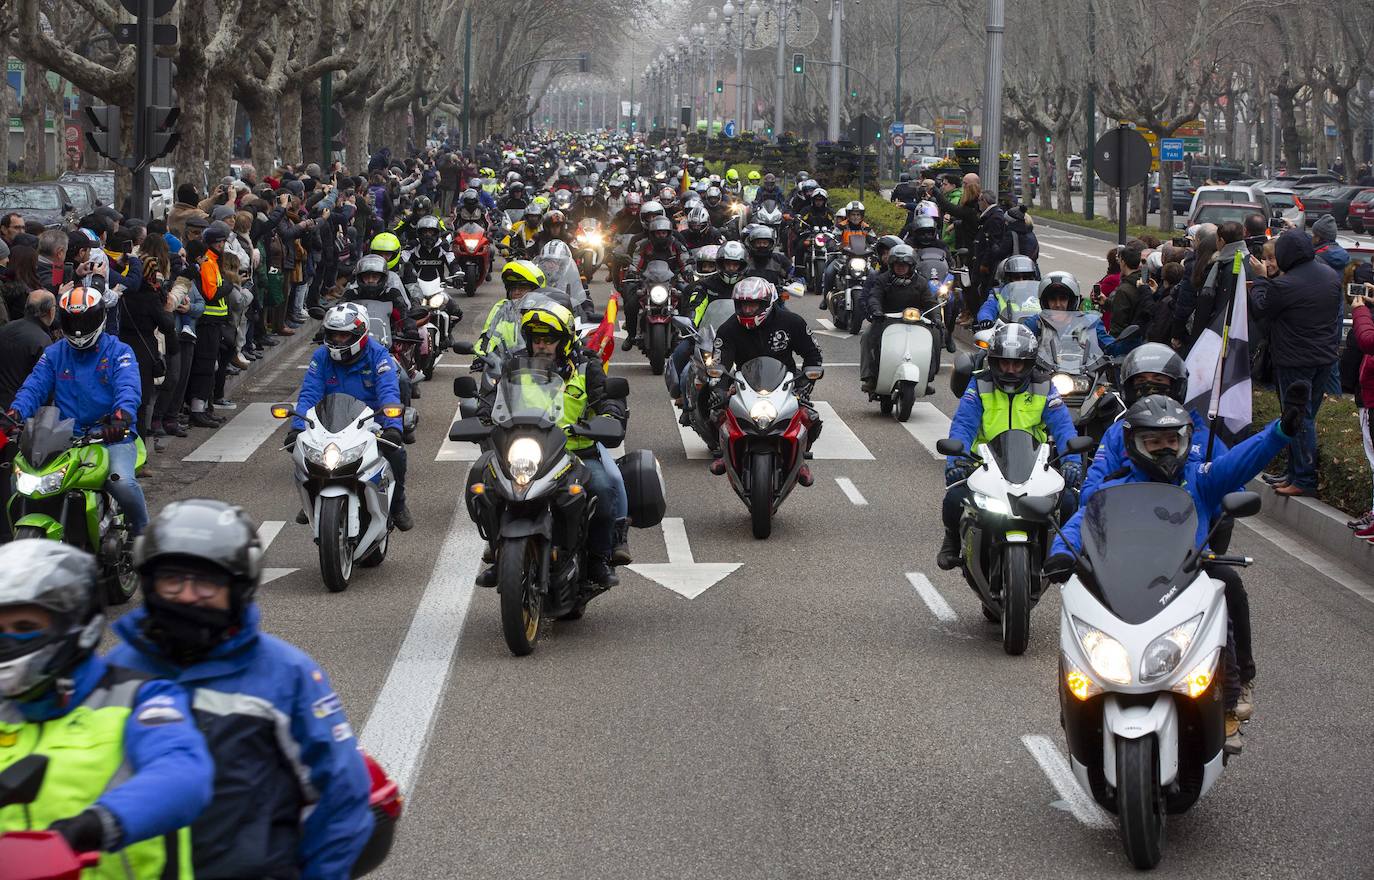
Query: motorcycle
point(763, 435)
point(472, 248)
point(1141, 635)
point(1082, 374)
point(816, 245)
point(591, 248)
point(1004, 546)
point(345, 482)
point(440, 318)
point(695, 384)
point(60, 495)
point(905, 362)
point(846, 303)
point(658, 292)
point(45, 855)
point(531, 506)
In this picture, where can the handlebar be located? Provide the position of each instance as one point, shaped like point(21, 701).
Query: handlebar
point(1238, 561)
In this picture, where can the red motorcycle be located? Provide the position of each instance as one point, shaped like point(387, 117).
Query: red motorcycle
point(45, 855)
point(472, 248)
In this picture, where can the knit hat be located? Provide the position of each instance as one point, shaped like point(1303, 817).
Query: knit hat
point(1325, 228)
point(222, 212)
point(173, 243)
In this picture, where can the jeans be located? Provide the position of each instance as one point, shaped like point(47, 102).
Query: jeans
point(298, 299)
point(126, 489)
point(601, 529)
point(1302, 451)
point(621, 508)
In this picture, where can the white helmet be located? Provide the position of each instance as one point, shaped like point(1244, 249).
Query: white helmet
point(350, 319)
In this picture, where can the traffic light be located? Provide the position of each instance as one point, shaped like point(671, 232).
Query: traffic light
point(853, 92)
point(1047, 139)
point(769, 131)
point(798, 63)
point(104, 134)
point(720, 86)
point(161, 136)
point(584, 62)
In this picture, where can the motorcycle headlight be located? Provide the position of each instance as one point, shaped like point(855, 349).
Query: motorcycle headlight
point(1163, 655)
point(998, 506)
point(1200, 678)
point(763, 413)
point(1108, 657)
point(708, 358)
point(1078, 682)
point(471, 243)
point(524, 457)
point(437, 301)
point(658, 294)
point(857, 264)
point(1063, 383)
point(944, 289)
point(331, 457)
point(32, 484)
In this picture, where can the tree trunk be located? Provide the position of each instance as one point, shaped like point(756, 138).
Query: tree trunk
point(1321, 149)
point(1025, 148)
point(1288, 125)
point(357, 125)
point(223, 109)
point(1233, 144)
point(190, 152)
point(1345, 127)
point(1062, 193)
point(6, 110)
point(289, 125)
point(33, 112)
point(311, 124)
point(262, 116)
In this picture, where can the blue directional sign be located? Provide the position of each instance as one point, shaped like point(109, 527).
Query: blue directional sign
point(1171, 149)
point(730, 129)
point(897, 128)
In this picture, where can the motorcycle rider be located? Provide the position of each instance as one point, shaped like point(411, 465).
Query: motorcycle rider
point(554, 228)
point(759, 330)
point(548, 333)
point(717, 207)
point(371, 281)
point(800, 201)
point(515, 198)
point(1007, 394)
point(765, 261)
point(854, 220)
point(520, 240)
point(1157, 434)
point(661, 246)
point(588, 206)
point(92, 378)
point(712, 283)
point(351, 362)
point(923, 233)
point(896, 289)
point(732, 183)
point(769, 189)
point(700, 232)
point(127, 769)
point(471, 210)
point(290, 788)
point(519, 277)
point(1061, 291)
point(406, 225)
point(431, 257)
point(751, 190)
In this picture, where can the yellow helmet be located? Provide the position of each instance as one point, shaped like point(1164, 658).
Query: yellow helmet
point(522, 272)
point(388, 247)
point(548, 320)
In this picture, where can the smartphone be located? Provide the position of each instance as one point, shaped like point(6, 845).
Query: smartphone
point(1356, 292)
point(1181, 242)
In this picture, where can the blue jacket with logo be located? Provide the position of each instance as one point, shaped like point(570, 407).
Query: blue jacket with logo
point(84, 385)
point(1110, 457)
point(1206, 481)
point(291, 789)
point(371, 378)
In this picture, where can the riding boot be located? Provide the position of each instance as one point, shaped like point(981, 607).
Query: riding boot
point(600, 572)
point(621, 554)
point(948, 558)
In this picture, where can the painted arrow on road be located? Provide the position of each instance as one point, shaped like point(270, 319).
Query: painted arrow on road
point(267, 533)
point(681, 573)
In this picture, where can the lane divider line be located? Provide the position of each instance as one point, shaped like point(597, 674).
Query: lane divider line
point(1056, 769)
point(851, 492)
point(931, 596)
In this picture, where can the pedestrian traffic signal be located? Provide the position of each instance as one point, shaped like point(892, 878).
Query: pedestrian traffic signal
point(104, 134)
point(161, 135)
point(720, 86)
point(798, 63)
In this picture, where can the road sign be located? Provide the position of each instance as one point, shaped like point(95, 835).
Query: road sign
point(896, 128)
point(898, 140)
point(1171, 149)
point(730, 129)
point(921, 140)
point(1192, 145)
point(1121, 157)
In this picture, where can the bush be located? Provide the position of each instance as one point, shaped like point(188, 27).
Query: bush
point(1343, 476)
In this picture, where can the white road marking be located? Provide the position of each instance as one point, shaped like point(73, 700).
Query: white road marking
point(826, 323)
point(837, 441)
point(267, 533)
point(1056, 769)
point(835, 334)
point(692, 445)
point(851, 492)
point(398, 728)
point(240, 437)
point(928, 425)
point(682, 574)
point(452, 450)
point(931, 596)
point(1071, 251)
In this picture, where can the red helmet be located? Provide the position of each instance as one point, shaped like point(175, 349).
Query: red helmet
point(754, 298)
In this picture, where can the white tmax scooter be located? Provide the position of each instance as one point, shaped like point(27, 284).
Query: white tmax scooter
point(1141, 638)
point(345, 483)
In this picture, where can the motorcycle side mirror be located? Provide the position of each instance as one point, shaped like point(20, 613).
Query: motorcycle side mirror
point(1129, 333)
point(464, 386)
point(21, 782)
point(813, 374)
point(961, 252)
point(1241, 504)
point(617, 387)
point(684, 324)
point(410, 417)
point(1080, 444)
point(315, 312)
point(464, 348)
point(961, 374)
point(950, 446)
point(1034, 506)
point(469, 431)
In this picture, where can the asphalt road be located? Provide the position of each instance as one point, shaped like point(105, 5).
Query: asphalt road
point(834, 707)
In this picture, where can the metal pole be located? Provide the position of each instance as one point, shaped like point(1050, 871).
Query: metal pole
point(897, 92)
point(1090, 181)
point(992, 98)
point(1121, 191)
point(467, 75)
point(741, 111)
point(832, 122)
point(780, 70)
point(711, 90)
point(143, 96)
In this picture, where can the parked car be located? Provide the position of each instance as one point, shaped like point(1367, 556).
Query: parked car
point(1224, 174)
point(49, 202)
point(1360, 215)
point(1333, 199)
point(83, 197)
point(1221, 212)
point(1230, 193)
point(1182, 194)
point(1286, 204)
point(103, 182)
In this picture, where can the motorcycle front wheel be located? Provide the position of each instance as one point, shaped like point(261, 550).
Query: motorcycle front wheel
point(906, 399)
point(1139, 801)
point(522, 605)
point(761, 495)
point(657, 348)
point(1016, 602)
point(336, 550)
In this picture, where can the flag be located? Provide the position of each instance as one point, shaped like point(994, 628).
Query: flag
point(1219, 363)
point(686, 181)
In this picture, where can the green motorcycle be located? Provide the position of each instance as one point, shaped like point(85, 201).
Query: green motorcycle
point(59, 495)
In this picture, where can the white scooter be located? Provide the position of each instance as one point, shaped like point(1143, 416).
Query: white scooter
point(345, 482)
point(1141, 639)
point(904, 360)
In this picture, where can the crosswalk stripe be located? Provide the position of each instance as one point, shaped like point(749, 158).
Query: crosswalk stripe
point(267, 533)
point(240, 437)
point(452, 450)
point(928, 425)
point(826, 323)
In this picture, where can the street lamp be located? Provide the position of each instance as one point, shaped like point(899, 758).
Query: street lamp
point(781, 10)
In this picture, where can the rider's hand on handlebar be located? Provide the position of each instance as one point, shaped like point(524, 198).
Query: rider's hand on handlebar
point(980, 326)
point(392, 436)
point(115, 427)
point(83, 832)
point(1058, 568)
point(12, 416)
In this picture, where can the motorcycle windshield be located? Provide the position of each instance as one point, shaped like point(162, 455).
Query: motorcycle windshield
point(1022, 298)
point(1015, 453)
point(856, 245)
point(513, 215)
point(718, 311)
point(46, 436)
point(530, 392)
point(336, 412)
point(560, 273)
point(378, 319)
point(764, 374)
point(1068, 340)
point(471, 231)
point(1137, 536)
point(657, 272)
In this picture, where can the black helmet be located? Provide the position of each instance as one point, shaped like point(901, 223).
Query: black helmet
point(902, 255)
point(210, 539)
point(470, 200)
point(883, 246)
point(61, 580)
point(424, 205)
point(1158, 432)
point(761, 240)
point(1153, 358)
point(1012, 343)
point(427, 230)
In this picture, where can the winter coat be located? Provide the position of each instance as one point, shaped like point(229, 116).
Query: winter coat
point(1301, 307)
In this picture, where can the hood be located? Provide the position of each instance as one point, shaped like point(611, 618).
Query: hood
point(1293, 248)
point(222, 659)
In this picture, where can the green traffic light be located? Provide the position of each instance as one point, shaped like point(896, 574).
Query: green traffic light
point(853, 93)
